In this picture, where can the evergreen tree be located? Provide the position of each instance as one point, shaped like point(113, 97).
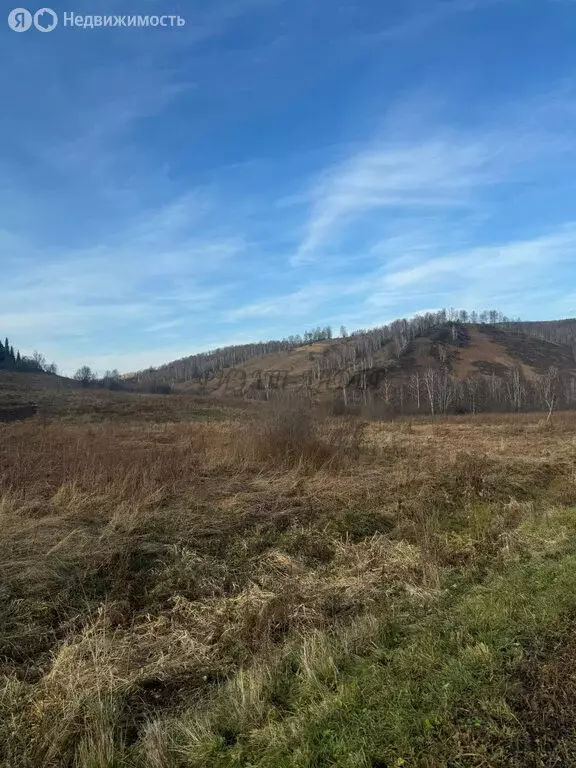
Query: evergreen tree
point(11, 359)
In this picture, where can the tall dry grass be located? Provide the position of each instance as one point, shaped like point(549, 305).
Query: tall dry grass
point(148, 570)
point(290, 434)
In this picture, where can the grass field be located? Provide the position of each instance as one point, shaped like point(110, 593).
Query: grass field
point(190, 585)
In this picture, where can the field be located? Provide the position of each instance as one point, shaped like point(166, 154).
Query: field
point(186, 585)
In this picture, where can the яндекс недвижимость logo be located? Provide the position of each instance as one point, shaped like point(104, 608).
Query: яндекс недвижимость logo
point(46, 19)
point(21, 19)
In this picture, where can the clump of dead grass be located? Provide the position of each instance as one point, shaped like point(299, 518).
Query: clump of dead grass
point(290, 434)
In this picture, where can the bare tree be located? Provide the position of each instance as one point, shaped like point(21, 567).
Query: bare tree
point(415, 388)
point(517, 389)
point(549, 384)
point(400, 343)
point(386, 391)
point(85, 376)
point(39, 361)
point(472, 386)
point(111, 379)
point(430, 383)
point(445, 390)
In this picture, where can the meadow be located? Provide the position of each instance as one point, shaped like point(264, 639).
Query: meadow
point(185, 584)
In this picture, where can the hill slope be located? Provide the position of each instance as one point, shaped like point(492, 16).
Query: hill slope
point(459, 364)
point(22, 393)
point(23, 381)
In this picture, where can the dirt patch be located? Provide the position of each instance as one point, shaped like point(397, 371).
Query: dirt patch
point(17, 413)
point(484, 355)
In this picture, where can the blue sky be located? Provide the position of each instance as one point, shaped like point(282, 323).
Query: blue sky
point(278, 164)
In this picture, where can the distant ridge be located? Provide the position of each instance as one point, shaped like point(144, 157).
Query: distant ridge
point(453, 360)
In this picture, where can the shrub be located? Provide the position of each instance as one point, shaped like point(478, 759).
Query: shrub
point(288, 434)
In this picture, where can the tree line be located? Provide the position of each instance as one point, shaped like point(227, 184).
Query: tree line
point(12, 360)
point(433, 390)
point(436, 391)
point(206, 364)
point(89, 378)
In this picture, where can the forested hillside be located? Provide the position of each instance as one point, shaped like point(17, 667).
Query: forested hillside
point(359, 345)
point(442, 362)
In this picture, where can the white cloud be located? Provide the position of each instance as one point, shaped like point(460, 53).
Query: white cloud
point(145, 280)
point(435, 174)
point(415, 166)
point(486, 263)
point(472, 277)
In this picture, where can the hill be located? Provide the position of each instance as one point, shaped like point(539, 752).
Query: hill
point(22, 381)
point(24, 393)
point(439, 362)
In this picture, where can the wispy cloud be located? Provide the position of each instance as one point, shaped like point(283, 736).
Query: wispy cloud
point(155, 275)
point(435, 174)
point(407, 172)
point(484, 267)
point(473, 275)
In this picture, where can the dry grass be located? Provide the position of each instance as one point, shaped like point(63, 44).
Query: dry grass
point(289, 435)
point(161, 583)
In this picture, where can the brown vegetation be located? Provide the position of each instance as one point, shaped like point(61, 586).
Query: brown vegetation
point(177, 589)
